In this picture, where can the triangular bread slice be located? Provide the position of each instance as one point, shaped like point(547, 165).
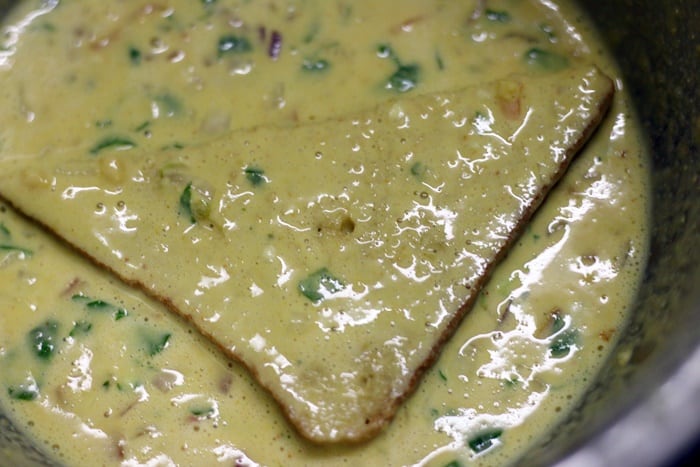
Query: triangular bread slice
point(333, 259)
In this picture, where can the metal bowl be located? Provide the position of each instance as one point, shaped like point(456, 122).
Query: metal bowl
point(644, 407)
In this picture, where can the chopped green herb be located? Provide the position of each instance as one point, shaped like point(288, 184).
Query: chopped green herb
point(319, 285)
point(545, 60)
point(98, 305)
point(134, 56)
point(7, 237)
point(202, 412)
point(404, 79)
point(120, 313)
point(195, 204)
point(562, 345)
point(143, 126)
point(255, 175)
point(92, 304)
point(43, 339)
point(112, 142)
point(233, 44)
point(103, 123)
point(27, 391)
point(312, 32)
point(438, 61)
point(315, 65)
point(186, 203)
point(485, 440)
point(175, 145)
point(418, 169)
point(442, 375)
point(80, 298)
point(155, 344)
point(80, 327)
point(385, 51)
point(511, 382)
point(454, 463)
point(18, 249)
point(497, 16)
point(109, 383)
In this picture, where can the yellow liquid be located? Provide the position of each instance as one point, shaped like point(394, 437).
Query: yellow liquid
point(123, 393)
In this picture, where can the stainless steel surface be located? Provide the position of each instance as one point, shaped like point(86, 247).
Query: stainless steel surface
point(658, 431)
point(644, 409)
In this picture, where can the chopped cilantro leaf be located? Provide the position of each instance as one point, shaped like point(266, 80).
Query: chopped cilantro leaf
point(563, 343)
point(485, 440)
point(418, 169)
point(439, 61)
point(233, 44)
point(120, 313)
point(134, 56)
point(315, 65)
point(255, 175)
point(319, 285)
point(112, 142)
point(404, 79)
point(18, 249)
point(143, 126)
point(27, 391)
point(186, 203)
point(155, 344)
point(312, 32)
point(497, 16)
point(92, 304)
point(80, 327)
point(385, 51)
point(103, 123)
point(545, 60)
point(43, 339)
point(202, 411)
